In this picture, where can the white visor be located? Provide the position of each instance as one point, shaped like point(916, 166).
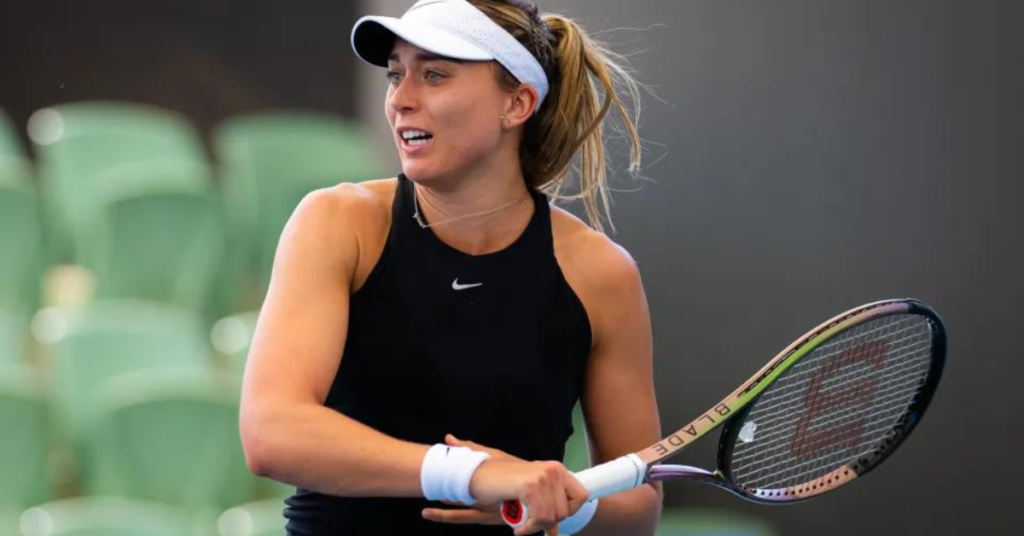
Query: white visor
point(453, 29)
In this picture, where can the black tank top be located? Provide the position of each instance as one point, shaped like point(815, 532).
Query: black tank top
point(491, 348)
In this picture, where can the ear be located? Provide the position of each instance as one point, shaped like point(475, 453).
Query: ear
point(521, 106)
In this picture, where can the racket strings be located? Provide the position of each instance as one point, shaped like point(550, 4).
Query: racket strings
point(776, 452)
point(883, 399)
point(836, 404)
point(807, 372)
point(775, 420)
point(811, 469)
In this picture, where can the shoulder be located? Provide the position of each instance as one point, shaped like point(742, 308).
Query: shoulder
point(350, 220)
point(591, 257)
point(602, 273)
point(347, 201)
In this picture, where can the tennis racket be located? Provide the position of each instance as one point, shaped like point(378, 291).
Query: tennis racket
point(829, 408)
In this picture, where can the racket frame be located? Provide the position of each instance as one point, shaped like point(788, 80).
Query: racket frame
point(731, 412)
point(617, 476)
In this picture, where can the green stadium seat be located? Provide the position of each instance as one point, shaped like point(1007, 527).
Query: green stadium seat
point(701, 522)
point(14, 337)
point(21, 246)
point(25, 441)
point(173, 438)
point(87, 346)
point(163, 244)
point(269, 162)
point(84, 147)
point(258, 518)
point(106, 516)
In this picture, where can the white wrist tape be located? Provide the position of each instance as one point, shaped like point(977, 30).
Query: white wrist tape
point(577, 521)
point(446, 473)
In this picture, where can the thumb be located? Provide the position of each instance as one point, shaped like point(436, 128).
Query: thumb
point(456, 442)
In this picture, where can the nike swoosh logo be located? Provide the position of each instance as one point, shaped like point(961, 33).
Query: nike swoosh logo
point(457, 286)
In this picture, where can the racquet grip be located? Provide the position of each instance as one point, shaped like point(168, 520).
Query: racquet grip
point(620, 474)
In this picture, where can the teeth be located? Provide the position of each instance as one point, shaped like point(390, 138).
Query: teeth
point(418, 142)
point(414, 134)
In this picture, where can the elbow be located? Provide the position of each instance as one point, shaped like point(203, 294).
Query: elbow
point(257, 461)
point(257, 446)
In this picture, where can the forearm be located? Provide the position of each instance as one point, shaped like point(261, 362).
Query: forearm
point(319, 449)
point(633, 512)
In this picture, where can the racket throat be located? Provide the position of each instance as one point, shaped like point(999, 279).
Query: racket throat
point(685, 472)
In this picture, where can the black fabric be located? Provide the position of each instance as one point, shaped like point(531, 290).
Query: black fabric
point(500, 364)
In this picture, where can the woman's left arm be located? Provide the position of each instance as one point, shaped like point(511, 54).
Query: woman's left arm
point(619, 401)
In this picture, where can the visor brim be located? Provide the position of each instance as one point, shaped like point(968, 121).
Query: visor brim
point(373, 39)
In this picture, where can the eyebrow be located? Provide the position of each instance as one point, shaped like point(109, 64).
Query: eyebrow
point(427, 56)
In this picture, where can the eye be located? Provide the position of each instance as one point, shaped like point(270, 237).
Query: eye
point(394, 77)
point(433, 76)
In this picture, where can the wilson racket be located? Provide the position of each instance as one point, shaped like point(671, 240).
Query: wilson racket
point(825, 411)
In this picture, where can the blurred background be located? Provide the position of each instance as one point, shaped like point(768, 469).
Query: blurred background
point(803, 157)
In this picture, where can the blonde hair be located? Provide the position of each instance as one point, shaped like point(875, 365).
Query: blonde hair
point(566, 133)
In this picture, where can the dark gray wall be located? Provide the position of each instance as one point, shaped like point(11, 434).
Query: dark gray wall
point(812, 156)
point(209, 59)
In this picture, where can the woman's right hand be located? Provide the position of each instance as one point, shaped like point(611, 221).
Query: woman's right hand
point(550, 490)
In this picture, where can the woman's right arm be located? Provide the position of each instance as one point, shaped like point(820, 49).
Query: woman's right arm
point(287, 432)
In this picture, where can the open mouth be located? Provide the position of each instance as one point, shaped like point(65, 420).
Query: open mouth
point(415, 138)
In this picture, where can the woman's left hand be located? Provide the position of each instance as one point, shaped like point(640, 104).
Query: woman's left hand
point(478, 514)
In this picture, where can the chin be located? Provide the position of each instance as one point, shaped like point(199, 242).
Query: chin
point(421, 174)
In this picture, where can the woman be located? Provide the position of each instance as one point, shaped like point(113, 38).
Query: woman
point(454, 302)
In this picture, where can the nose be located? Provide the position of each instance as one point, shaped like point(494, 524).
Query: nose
point(403, 96)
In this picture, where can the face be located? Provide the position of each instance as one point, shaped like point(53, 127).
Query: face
point(445, 115)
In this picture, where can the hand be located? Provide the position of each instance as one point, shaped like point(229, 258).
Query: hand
point(548, 488)
point(479, 513)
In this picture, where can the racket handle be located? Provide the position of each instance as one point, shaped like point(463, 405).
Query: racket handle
point(617, 475)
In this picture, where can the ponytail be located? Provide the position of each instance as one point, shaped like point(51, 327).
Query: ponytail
point(565, 139)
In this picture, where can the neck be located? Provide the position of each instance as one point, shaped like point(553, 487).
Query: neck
point(472, 198)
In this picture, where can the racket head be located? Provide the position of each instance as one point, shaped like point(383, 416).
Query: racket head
point(839, 410)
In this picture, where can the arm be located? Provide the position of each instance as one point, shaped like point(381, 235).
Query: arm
point(287, 433)
point(619, 402)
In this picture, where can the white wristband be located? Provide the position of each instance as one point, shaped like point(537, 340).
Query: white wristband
point(577, 521)
point(446, 473)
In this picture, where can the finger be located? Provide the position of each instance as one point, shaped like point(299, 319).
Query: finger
point(461, 517)
point(577, 493)
point(453, 441)
point(529, 523)
point(541, 511)
point(559, 493)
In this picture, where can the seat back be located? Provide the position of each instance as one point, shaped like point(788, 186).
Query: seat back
point(164, 245)
point(174, 438)
point(25, 441)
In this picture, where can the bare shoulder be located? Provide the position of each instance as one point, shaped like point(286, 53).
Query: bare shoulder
point(348, 219)
point(350, 200)
point(602, 273)
point(589, 256)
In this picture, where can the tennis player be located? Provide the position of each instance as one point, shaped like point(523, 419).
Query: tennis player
point(425, 338)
